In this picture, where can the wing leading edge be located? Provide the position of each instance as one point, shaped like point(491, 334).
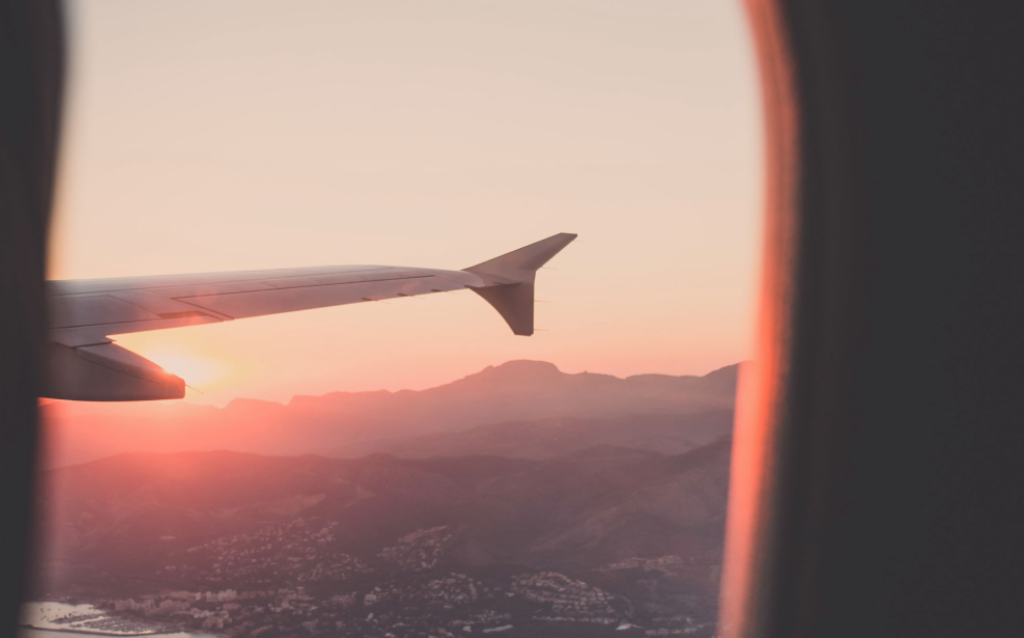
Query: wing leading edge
point(85, 364)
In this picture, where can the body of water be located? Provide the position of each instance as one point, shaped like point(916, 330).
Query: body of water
point(61, 620)
point(28, 632)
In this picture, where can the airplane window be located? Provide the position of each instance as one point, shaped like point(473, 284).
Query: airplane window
point(396, 318)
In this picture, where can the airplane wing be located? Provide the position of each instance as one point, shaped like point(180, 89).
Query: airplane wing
point(85, 364)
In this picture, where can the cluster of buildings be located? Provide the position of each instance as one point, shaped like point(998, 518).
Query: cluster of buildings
point(249, 613)
point(419, 550)
point(669, 564)
point(289, 581)
point(294, 552)
point(569, 599)
point(448, 592)
point(443, 606)
point(706, 628)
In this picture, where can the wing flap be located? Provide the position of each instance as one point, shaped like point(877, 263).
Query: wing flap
point(163, 307)
point(94, 310)
point(88, 335)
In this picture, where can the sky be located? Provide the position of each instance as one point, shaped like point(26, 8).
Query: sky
point(211, 135)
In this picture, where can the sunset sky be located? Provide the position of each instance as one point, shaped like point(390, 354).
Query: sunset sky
point(210, 135)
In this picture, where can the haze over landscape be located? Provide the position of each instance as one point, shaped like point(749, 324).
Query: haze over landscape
point(501, 408)
point(518, 498)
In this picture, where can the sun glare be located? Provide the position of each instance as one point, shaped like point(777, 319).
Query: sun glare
point(197, 371)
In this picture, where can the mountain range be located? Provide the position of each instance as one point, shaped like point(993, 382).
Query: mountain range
point(519, 499)
point(524, 408)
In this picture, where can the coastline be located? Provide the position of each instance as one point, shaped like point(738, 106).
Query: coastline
point(96, 632)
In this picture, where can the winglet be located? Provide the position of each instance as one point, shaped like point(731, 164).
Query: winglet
point(510, 280)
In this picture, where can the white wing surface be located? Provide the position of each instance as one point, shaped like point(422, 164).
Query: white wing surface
point(84, 313)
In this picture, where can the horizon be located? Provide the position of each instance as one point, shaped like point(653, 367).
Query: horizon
point(81, 407)
point(646, 407)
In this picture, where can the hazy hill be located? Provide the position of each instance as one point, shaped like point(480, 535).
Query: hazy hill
point(344, 424)
point(154, 521)
point(548, 438)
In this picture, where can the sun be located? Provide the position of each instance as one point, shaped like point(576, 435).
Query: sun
point(197, 371)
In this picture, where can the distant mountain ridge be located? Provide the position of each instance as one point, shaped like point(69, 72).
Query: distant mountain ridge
point(549, 438)
point(348, 424)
